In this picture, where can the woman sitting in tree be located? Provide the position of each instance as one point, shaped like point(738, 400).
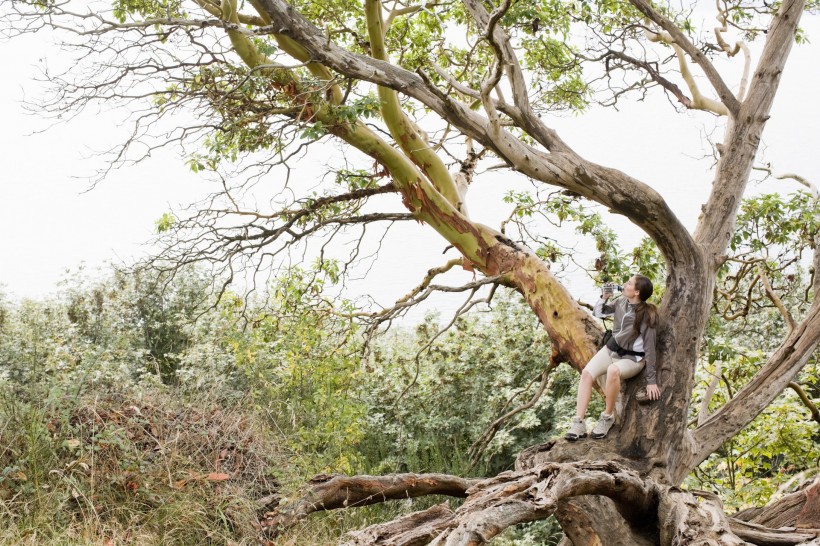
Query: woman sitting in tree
point(631, 346)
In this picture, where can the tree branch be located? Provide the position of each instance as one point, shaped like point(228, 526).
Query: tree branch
point(815, 193)
point(410, 138)
point(329, 492)
point(717, 220)
point(799, 508)
point(765, 386)
point(815, 413)
point(775, 299)
point(740, 45)
point(655, 75)
point(723, 91)
point(410, 530)
point(522, 113)
point(765, 536)
point(610, 187)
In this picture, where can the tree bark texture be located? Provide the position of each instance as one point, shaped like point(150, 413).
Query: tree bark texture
point(800, 509)
point(412, 530)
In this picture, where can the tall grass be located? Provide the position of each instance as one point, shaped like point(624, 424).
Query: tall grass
point(128, 468)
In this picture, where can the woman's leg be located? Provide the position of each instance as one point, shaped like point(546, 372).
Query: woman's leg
point(618, 370)
point(613, 387)
point(596, 366)
point(584, 394)
point(621, 369)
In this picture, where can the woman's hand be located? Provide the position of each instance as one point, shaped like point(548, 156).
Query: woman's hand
point(653, 392)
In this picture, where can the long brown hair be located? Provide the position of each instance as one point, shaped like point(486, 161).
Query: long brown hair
point(644, 311)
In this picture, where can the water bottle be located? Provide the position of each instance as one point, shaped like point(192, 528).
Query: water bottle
point(609, 288)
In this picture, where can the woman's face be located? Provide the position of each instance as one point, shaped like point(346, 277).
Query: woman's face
point(630, 291)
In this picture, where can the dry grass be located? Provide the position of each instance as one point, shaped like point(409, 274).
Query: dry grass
point(116, 469)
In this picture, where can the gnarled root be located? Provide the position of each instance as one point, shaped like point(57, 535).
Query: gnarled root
point(410, 530)
point(328, 492)
point(697, 518)
point(595, 502)
point(518, 497)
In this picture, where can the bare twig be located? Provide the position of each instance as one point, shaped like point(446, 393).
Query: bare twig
point(815, 413)
point(480, 445)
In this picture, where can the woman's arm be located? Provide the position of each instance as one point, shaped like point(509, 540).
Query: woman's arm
point(649, 355)
point(603, 309)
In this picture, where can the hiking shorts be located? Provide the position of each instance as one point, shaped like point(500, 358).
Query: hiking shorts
point(604, 358)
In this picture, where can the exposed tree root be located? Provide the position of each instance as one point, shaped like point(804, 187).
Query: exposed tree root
point(328, 492)
point(800, 509)
point(411, 530)
point(585, 496)
point(687, 520)
point(764, 536)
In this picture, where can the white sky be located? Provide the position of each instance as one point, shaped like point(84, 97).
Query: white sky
point(49, 223)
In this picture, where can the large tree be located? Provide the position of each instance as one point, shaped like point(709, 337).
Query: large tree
point(268, 78)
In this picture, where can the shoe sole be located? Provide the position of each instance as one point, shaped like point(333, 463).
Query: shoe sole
point(574, 438)
point(598, 436)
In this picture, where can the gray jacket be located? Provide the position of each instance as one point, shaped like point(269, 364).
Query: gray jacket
point(622, 332)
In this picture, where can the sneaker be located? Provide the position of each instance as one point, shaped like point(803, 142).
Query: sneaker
point(602, 427)
point(577, 429)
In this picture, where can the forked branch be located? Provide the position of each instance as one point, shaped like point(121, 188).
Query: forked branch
point(793, 353)
point(726, 96)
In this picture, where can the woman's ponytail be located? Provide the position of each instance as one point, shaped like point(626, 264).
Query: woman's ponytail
point(644, 311)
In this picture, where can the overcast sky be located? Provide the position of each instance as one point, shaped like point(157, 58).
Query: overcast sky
point(49, 222)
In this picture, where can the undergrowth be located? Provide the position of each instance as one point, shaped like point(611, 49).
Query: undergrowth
point(141, 469)
point(154, 467)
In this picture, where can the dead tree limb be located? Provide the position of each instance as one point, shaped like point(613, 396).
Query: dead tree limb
point(800, 509)
point(764, 536)
point(412, 529)
point(329, 492)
